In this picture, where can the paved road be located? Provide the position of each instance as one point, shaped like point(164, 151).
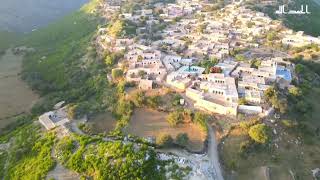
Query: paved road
point(213, 153)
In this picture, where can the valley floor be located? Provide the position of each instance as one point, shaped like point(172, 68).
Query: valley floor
point(15, 95)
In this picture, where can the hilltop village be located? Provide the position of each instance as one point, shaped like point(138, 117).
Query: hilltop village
point(240, 69)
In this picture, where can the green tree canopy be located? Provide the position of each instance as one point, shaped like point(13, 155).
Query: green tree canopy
point(164, 140)
point(116, 28)
point(182, 139)
point(116, 74)
point(259, 133)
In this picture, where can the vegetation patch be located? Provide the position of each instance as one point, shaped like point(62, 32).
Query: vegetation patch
point(29, 154)
point(98, 159)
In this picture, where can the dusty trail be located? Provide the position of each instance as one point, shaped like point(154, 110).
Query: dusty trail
point(213, 154)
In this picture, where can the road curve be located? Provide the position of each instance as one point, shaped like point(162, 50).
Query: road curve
point(213, 154)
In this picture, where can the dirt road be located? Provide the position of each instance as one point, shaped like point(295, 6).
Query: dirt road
point(213, 154)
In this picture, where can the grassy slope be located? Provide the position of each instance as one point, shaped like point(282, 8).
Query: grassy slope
point(70, 70)
point(58, 43)
point(62, 43)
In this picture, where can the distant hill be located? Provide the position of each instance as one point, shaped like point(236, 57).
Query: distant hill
point(25, 15)
point(310, 24)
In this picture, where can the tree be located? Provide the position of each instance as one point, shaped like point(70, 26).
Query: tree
point(140, 58)
point(299, 68)
point(109, 60)
point(116, 74)
point(255, 63)
point(174, 118)
point(280, 104)
point(271, 36)
point(269, 92)
point(141, 73)
point(295, 91)
point(116, 28)
point(182, 139)
point(71, 113)
point(260, 133)
point(164, 140)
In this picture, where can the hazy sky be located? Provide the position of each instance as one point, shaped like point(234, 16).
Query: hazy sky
point(25, 15)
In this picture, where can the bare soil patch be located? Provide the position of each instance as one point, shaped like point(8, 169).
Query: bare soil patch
point(151, 123)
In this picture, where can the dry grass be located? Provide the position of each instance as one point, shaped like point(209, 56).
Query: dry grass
point(102, 123)
point(150, 123)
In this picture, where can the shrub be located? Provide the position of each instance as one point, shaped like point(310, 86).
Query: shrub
point(139, 99)
point(278, 101)
point(295, 91)
point(71, 113)
point(201, 120)
point(153, 101)
point(242, 101)
point(64, 149)
point(78, 110)
point(289, 123)
point(247, 124)
point(260, 133)
point(176, 100)
point(174, 118)
point(240, 57)
point(86, 128)
point(164, 140)
point(182, 139)
point(246, 147)
point(187, 116)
